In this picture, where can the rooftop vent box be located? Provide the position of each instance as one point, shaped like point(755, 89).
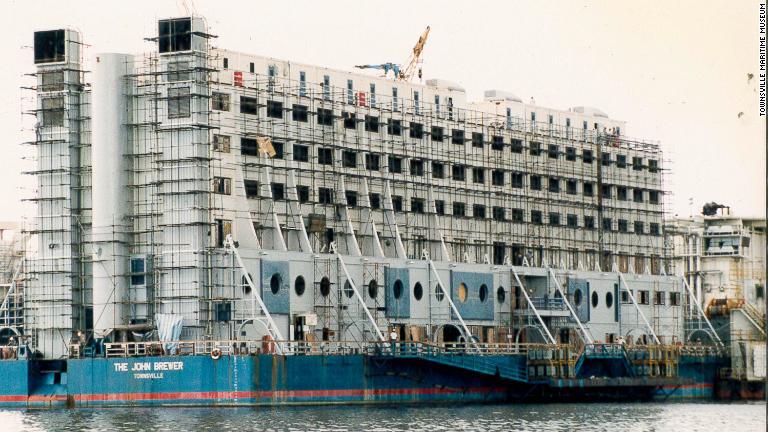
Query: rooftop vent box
point(175, 35)
point(50, 46)
point(500, 95)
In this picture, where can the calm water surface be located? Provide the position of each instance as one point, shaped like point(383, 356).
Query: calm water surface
point(554, 417)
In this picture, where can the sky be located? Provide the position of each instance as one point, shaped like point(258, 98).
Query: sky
point(677, 72)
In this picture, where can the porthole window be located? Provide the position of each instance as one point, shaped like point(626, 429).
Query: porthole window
point(462, 292)
point(595, 299)
point(577, 297)
point(274, 283)
point(299, 285)
point(325, 287)
point(373, 288)
point(439, 294)
point(608, 299)
point(501, 295)
point(348, 291)
point(245, 285)
point(483, 292)
point(418, 291)
point(397, 289)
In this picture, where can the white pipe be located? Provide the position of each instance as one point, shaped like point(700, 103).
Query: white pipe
point(642, 315)
point(357, 293)
point(584, 331)
point(530, 303)
point(453, 305)
point(701, 311)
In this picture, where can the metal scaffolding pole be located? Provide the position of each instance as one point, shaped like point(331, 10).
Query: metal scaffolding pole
point(530, 303)
point(357, 293)
point(584, 331)
point(642, 315)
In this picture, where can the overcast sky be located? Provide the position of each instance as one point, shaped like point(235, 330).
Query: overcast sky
point(677, 72)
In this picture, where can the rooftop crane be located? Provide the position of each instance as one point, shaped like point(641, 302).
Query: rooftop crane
point(413, 61)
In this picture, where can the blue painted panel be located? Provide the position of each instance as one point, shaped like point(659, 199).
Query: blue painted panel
point(14, 377)
point(580, 288)
point(472, 307)
point(397, 307)
point(276, 302)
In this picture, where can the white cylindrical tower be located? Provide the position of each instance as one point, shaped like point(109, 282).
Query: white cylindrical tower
point(111, 197)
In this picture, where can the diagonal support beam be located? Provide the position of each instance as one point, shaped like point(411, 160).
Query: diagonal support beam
point(453, 305)
point(637, 307)
point(530, 304)
point(587, 336)
point(701, 311)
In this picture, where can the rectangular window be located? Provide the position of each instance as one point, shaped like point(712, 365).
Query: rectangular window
point(554, 185)
point(397, 203)
point(300, 113)
point(605, 159)
point(351, 197)
point(395, 164)
point(223, 229)
point(249, 105)
point(417, 167)
point(535, 148)
point(478, 211)
point(625, 296)
point(300, 153)
point(570, 154)
point(272, 73)
point(349, 159)
point(621, 193)
point(478, 175)
point(637, 195)
point(653, 197)
point(497, 177)
point(221, 143)
point(416, 103)
point(586, 156)
point(459, 209)
point(653, 165)
point(607, 224)
point(350, 122)
point(572, 221)
point(138, 269)
point(498, 213)
point(220, 101)
point(516, 179)
point(457, 136)
point(278, 191)
point(477, 139)
point(637, 163)
point(416, 130)
point(554, 219)
point(458, 172)
point(350, 92)
point(606, 190)
point(324, 117)
point(644, 297)
point(252, 67)
point(589, 222)
point(372, 96)
point(437, 105)
point(417, 205)
point(303, 193)
point(553, 151)
point(655, 229)
point(395, 127)
point(438, 170)
point(437, 133)
point(279, 150)
point(372, 162)
point(535, 182)
point(249, 147)
point(222, 185)
point(571, 187)
point(274, 109)
point(325, 156)
point(325, 195)
point(326, 87)
point(497, 142)
point(517, 215)
point(251, 189)
point(302, 83)
point(536, 217)
point(674, 298)
point(516, 145)
point(371, 124)
point(639, 227)
point(179, 102)
point(394, 99)
point(623, 225)
point(440, 207)
point(375, 200)
point(589, 189)
point(621, 161)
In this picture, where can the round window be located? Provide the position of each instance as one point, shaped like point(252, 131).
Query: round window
point(501, 295)
point(348, 291)
point(577, 297)
point(608, 299)
point(245, 285)
point(274, 283)
point(483, 292)
point(439, 294)
point(325, 286)
point(397, 289)
point(373, 288)
point(462, 292)
point(418, 291)
point(299, 285)
point(595, 299)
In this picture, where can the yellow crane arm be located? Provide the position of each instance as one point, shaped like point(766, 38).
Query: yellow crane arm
point(413, 60)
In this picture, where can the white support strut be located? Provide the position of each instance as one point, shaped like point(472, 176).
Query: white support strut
point(440, 283)
point(587, 337)
point(357, 293)
point(276, 335)
point(530, 303)
point(637, 307)
point(695, 301)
